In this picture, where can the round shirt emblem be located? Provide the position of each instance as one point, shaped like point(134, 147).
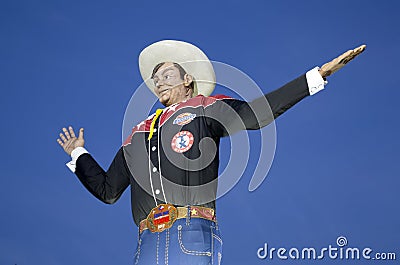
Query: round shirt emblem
point(182, 141)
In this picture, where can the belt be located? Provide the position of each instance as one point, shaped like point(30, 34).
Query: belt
point(181, 212)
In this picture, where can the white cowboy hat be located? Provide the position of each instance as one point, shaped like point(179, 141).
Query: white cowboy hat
point(191, 58)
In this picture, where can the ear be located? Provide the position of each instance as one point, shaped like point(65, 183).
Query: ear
point(187, 80)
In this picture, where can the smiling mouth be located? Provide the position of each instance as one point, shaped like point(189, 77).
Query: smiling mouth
point(162, 92)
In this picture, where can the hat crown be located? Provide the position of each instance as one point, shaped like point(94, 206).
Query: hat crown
point(190, 57)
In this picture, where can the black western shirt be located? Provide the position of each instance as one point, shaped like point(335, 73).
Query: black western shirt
point(179, 164)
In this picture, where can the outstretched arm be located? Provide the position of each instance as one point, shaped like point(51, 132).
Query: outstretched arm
point(106, 186)
point(262, 111)
point(288, 95)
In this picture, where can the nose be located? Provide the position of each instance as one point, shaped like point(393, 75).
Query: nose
point(159, 83)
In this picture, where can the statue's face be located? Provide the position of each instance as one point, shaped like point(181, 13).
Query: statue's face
point(170, 87)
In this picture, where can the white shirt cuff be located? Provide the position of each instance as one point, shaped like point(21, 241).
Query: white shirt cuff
point(75, 154)
point(315, 81)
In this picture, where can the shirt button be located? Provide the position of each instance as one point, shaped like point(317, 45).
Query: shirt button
point(157, 191)
point(154, 169)
point(153, 148)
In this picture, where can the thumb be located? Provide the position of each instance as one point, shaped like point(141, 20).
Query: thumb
point(80, 134)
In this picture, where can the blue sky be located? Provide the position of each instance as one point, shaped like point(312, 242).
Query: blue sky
point(335, 171)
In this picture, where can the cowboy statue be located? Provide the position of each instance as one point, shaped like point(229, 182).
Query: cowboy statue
point(170, 159)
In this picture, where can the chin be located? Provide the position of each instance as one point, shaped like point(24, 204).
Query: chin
point(164, 101)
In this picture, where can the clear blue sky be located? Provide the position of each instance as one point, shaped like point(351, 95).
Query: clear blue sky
point(336, 169)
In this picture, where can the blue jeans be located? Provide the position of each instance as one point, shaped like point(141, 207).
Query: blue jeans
point(189, 241)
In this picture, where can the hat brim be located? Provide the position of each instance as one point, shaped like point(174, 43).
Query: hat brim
point(190, 57)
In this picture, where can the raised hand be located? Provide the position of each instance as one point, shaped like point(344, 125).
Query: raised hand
point(69, 141)
point(337, 63)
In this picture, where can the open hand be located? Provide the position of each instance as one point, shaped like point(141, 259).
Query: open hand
point(69, 141)
point(337, 63)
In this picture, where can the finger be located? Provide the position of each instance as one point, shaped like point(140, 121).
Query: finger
point(350, 55)
point(342, 58)
point(346, 59)
point(361, 48)
point(81, 133)
point(63, 138)
point(71, 131)
point(60, 142)
point(345, 55)
point(66, 133)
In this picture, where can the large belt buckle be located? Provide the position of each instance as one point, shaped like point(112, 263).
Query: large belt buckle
point(161, 217)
